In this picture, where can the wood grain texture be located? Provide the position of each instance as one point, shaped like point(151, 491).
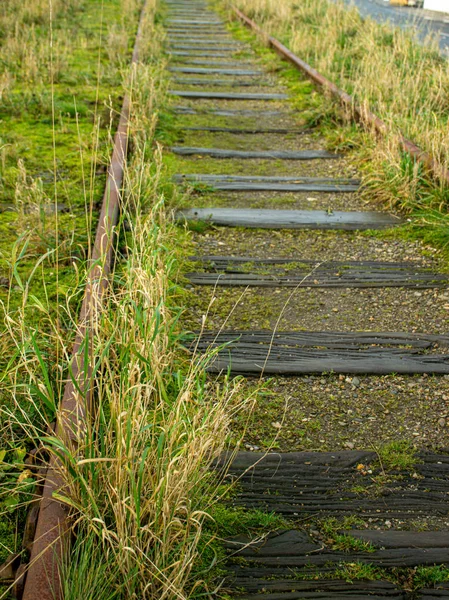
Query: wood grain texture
point(280, 184)
point(321, 483)
point(215, 63)
point(221, 82)
point(188, 110)
point(210, 71)
point(242, 131)
point(253, 154)
point(225, 95)
point(288, 219)
point(295, 353)
point(198, 54)
point(201, 46)
point(296, 272)
point(391, 538)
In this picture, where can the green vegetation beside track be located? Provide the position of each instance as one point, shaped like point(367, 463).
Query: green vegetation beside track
point(385, 69)
point(60, 91)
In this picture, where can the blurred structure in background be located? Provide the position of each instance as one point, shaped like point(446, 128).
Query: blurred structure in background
point(438, 5)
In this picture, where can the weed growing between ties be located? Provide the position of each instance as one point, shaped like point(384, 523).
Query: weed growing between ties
point(385, 69)
point(143, 494)
point(159, 424)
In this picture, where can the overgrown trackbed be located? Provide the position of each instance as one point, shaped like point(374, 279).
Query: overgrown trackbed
point(301, 292)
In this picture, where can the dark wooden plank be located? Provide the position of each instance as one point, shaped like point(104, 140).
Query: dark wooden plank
point(315, 463)
point(228, 113)
point(394, 558)
point(219, 63)
point(226, 96)
point(296, 353)
point(222, 261)
point(213, 179)
point(280, 543)
point(186, 13)
point(314, 361)
point(241, 131)
point(181, 34)
point(199, 44)
point(208, 71)
point(193, 36)
point(289, 219)
point(217, 44)
point(278, 184)
point(402, 539)
point(221, 82)
point(194, 27)
point(203, 29)
point(192, 13)
point(256, 280)
point(351, 592)
point(289, 548)
point(198, 54)
point(315, 483)
point(250, 154)
point(231, 48)
point(206, 32)
point(330, 339)
point(441, 590)
point(327, 589)
point(228, 271)
point(194, 22)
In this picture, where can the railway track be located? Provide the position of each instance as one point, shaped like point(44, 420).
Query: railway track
point(280, 217)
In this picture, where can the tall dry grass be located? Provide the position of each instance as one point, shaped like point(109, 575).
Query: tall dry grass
point(406, 83)
point(139, 486)
point(24, 51)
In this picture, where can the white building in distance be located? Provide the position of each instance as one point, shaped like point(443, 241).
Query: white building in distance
point(438, 5)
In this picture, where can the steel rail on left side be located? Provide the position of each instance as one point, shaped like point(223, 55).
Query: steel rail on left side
point(41, 578)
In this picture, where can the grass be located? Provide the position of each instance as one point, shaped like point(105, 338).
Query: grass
point(143, 496)
point(139, 486)
point(430, 576)
point(398, 455)
point(347, 543)
point(353, 571)
point(364, 58)
point(59, 91)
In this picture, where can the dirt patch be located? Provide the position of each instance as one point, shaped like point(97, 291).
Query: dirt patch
point(331, 412)
point(334, 168)
point(281, 200)
point(252, 142)
point(324, 245)
point(322, 309)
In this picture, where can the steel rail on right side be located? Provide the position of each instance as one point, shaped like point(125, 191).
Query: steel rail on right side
point(365, 115)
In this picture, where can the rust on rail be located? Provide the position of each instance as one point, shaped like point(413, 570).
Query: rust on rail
point(52, 537)
point(366, 116)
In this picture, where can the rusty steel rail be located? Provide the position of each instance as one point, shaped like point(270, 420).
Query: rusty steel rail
point(52, 535)
point(366, 116)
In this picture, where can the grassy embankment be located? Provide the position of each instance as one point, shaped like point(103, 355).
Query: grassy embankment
point(406, 84)
point(142, 498)
point(60, 88)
